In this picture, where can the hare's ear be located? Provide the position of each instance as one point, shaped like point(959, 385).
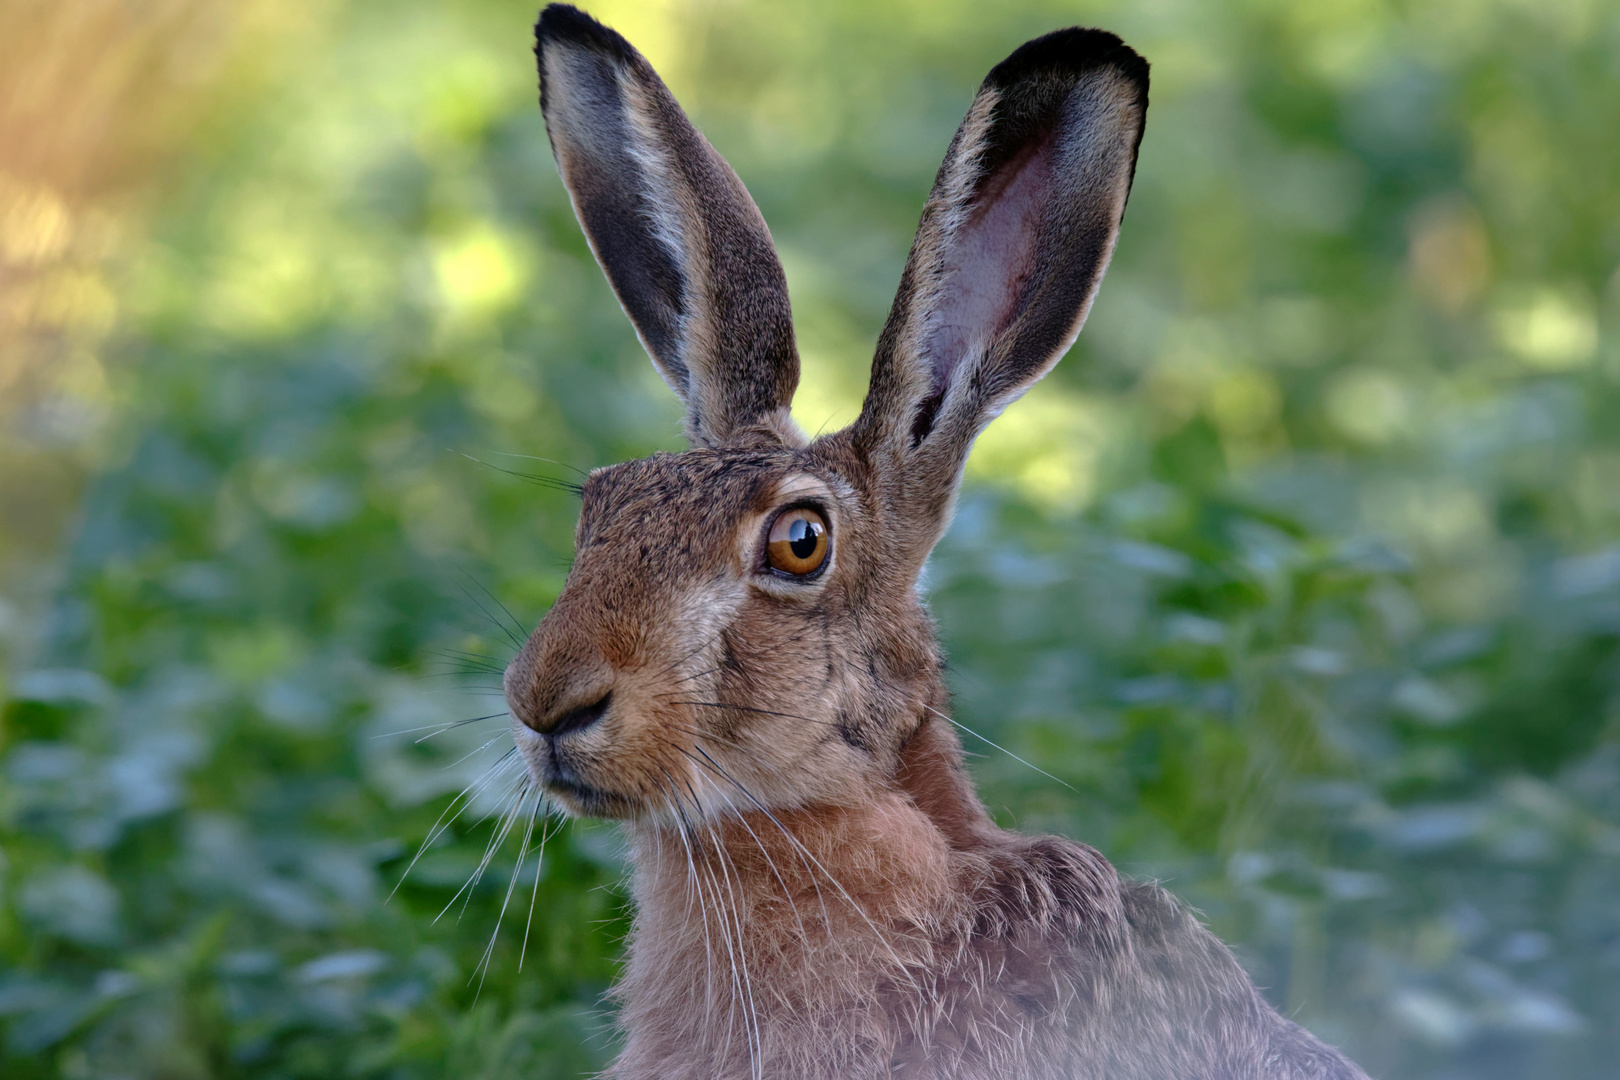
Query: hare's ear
point(1014, 240)
point(683, 245)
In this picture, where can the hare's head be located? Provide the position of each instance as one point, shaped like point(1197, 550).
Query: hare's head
point(741, 628)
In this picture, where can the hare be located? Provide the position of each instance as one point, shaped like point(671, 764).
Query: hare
point(740, 670)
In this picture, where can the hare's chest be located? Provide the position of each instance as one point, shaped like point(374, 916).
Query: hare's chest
point(857, 1005)
point(998, 1008)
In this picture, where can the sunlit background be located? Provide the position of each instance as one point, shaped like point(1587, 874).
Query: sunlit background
point(1302, 571)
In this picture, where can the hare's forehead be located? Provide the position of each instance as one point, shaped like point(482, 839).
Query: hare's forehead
point(712, 490)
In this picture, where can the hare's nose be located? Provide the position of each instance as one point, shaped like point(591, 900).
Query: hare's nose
point(574, 717)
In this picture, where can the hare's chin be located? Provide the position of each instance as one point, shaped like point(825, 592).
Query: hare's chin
point(583, 800)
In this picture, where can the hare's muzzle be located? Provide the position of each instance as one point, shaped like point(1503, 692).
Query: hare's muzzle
point(558, 750)
point(561, 690)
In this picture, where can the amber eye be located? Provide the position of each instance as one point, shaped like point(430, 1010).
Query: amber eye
point(798, 542)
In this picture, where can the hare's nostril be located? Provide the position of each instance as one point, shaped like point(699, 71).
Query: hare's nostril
point(576, 719)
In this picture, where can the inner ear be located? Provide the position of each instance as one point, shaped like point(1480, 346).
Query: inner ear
point(987, 270)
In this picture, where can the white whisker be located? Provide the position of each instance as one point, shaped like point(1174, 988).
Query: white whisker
point(539, 864)
point(507, 818)
point(511, 884)
point(883, 938)
point(468, 793)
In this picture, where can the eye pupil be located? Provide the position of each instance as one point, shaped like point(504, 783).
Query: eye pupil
point(802, 538)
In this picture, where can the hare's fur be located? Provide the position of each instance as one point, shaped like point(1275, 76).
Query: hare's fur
point(819, 892)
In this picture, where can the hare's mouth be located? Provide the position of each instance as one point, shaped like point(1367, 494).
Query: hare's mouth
point(560, 776)
point(558, 768)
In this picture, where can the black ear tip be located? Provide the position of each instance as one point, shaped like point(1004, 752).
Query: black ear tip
point(565, 23)
point(1071, 52)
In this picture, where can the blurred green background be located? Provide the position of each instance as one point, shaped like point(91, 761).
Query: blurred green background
point(1303, 569)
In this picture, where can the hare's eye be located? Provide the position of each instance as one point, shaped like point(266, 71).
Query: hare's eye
point(798, 542)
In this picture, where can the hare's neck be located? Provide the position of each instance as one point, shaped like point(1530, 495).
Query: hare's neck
point(791, 878)
point(787, 883)
point(805, 912)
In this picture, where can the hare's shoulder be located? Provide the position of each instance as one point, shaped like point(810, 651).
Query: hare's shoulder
point(1067, 891)
point(1122, 975)
point(1054, 912)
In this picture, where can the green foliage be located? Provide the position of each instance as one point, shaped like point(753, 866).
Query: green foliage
point(1300, 571)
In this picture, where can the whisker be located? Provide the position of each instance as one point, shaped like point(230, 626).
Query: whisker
point(511, 884)
point(669, 792)
point(740, 963)
point(507, 819)
point(479, 750)
point(976, 735)
point(699, 675)
point(718, 768)
point(707, 643)
point(751, 1016)
point(1003, 749)
point(522, 632)
point(787, 892)
point(751, 709)
point(461, 723)
point(491, 657)
point(762, 808)
point(465, 797)
point(465, 667)
point(549, 461)
point(502, 627)
point(539, 863)
point(424, 676)
point(696, 734)
point(703, 909)
point(731, 954)
point(537, 479)
point(459, 656)
point(437, 729)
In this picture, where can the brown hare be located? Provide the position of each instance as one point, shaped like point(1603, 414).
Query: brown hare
point(740, 670)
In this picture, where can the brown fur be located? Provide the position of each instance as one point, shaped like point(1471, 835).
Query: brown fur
point(819, 892)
